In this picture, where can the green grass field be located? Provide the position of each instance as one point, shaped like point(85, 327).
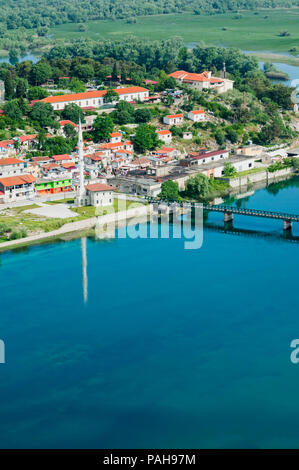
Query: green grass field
point(251, 32)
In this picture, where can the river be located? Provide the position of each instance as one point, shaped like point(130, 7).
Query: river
point(171, 348)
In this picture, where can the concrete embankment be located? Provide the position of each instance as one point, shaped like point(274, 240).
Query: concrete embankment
point(261, 176)
point(115, 217)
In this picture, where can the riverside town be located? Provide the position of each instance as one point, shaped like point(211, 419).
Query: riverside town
point(149, 227)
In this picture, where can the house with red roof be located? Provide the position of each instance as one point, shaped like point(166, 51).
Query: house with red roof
point(166, 152)
point(115, 137)
point(203, 80)
point(99, 194)
point(26, 140)
point(11, 167)
point(165, 136)
point(198, 115)
point(17, 188)
point(173, 119)
point(65, 158)
point(94, 99)
point(7, 148)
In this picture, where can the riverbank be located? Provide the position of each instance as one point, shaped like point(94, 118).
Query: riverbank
point(116, 218)
point(248, 178)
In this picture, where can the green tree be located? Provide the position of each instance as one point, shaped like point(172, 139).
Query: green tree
point(146, 138)
point(21, 88)
point(170, 190)
point(103, 126)
point(111, 96)
point(42, 113)
point(142, 115)
point(41, 139)
point(219, 137)
point(198, 187)
point(114, 75)
point(124, 113)
point(9, 86)
point(77, 86)
point(232, 135)
point(12, 110)
point(73, 112)
point(59, 145)
point(69, 131)
point(85, 72)
point(13, 56)
point(229, 170)
point(37, 93)
point(40, 72)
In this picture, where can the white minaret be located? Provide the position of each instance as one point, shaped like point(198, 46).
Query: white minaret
point(81, 188)
point(81, 159)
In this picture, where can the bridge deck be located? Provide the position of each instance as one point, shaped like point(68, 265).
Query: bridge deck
point(233, 210)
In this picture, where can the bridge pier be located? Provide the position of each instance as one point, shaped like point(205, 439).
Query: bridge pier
point(228, 217)
point(287, 225)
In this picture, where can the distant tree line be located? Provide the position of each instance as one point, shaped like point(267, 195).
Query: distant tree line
point(32, 14)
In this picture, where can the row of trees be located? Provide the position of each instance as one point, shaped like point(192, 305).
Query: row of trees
point(31, 14)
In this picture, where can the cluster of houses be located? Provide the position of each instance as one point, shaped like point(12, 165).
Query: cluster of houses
point(113, 164)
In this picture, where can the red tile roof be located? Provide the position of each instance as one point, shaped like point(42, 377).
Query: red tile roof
point(5, 143)
point(59, 158)
point(67, 166)
point(194, 77)
point(10, 161)
point(67, 121)
point(115, 134)
point(199, 111)
point(111, 145)
point(164, 132)
point(92, 94)
point(26, 138)
point(97, 187)
point(172, 116)
point(17, 180)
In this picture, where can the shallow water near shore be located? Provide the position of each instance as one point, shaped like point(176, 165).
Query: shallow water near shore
point(171, 347)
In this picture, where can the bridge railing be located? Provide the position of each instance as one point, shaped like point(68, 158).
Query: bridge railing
point(229, 209)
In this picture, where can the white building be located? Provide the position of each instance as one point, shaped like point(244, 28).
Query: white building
point(204, 80)
point(173, 119)
point(187, 135)
point(16, 188)
point(11, 167)
point(94, 99)
point(197, 115)
point(99, 194)
point(165, 136)
point(115, 137)
point(209, 157)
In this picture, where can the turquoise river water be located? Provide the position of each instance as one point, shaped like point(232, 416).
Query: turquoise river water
point(172, 348)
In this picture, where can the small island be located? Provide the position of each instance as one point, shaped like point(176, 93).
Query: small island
point(272, 72)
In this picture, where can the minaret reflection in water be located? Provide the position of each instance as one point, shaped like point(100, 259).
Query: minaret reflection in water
point(84, 269)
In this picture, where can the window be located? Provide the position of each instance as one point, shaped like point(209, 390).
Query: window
point(250, 165)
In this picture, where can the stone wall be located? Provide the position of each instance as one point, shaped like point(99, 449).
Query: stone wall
point(251, 178)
